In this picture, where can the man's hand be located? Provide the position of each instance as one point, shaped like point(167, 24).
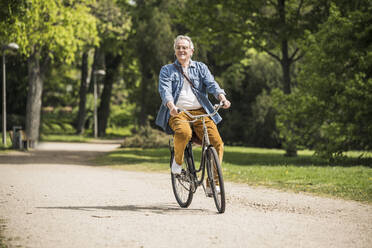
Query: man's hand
point(226, 103)
point(173, 109)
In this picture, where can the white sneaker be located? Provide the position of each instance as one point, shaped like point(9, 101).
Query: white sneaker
point(176, 168)
point(208, 190)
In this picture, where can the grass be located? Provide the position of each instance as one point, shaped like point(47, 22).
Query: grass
point(66, 138)
point(116, 133)
point(7, 146)
point(88, 136)
point(350, 178)
point(111, 134)
point(53, 137)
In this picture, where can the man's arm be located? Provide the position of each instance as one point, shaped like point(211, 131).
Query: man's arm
point(208, 80)
point(165, 86)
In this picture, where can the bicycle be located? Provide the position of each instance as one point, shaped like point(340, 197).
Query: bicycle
point(185, 184)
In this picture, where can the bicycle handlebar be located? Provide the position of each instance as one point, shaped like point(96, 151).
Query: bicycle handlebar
point(196, 117)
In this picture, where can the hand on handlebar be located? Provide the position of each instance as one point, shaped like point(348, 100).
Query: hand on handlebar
point(225, 104)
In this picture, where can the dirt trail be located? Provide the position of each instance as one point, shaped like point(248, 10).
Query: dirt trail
point(53, 197)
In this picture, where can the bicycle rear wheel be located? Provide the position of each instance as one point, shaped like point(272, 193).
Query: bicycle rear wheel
point(182, 184)
point(215, 179)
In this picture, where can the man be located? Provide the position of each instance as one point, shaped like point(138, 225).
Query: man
point(177, 92)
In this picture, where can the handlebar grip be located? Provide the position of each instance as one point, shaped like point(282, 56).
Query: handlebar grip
point(218, 106)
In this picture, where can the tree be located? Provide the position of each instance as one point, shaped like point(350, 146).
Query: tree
point(114, 27)
point(48, 30)
point(273, 27)
point(248, 85)
point(330, 111)
point(112, 65)
point(113, 24)
point(152, 40)
point(82, 93)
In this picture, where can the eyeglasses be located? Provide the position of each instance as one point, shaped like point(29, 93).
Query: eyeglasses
point(182, 47)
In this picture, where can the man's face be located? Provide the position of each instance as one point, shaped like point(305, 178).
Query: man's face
point(183, 51)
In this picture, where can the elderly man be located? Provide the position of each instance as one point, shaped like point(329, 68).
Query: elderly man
point(185, 84)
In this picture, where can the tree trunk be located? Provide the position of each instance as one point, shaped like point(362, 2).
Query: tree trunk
point(291, 148)
point(286, 67)
point(98, 64)
point(144, 94)
point(112, 65)
point(142, 115)
point(35, 88)
point(82, 95)
point(285, 61)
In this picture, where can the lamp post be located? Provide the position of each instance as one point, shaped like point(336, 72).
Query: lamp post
point(95, 73)
point(10, 46)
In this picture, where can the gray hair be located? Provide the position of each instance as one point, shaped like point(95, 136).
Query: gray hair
point(183, 37)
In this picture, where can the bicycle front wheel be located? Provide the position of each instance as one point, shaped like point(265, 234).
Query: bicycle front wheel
point(182, 184)
point(215, 179)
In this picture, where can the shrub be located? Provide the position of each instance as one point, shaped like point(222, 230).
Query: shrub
point(147, 137)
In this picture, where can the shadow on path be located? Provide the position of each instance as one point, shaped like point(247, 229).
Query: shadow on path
point(50, 157)
point(156, 209)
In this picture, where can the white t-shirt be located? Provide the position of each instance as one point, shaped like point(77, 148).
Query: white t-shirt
point(187, 100)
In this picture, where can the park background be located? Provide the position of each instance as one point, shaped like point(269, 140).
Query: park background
point(298, 74)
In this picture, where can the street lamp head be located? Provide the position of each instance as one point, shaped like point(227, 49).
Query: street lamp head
point(100, 72)
point(11, 46)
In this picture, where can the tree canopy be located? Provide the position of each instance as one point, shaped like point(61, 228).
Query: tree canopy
point(298, 72)
point(47, 30)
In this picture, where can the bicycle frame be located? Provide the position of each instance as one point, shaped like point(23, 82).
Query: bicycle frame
point(205, 145)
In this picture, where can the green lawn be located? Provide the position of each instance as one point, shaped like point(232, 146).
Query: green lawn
point(66, 138)
point(116, 133)
point(350, 178)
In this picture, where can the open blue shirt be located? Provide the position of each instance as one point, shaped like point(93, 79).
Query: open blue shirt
point(170, 84)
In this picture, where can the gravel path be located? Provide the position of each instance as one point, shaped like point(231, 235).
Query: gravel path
point(54, 197)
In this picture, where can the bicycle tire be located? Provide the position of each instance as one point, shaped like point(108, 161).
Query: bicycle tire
point(181, 184)
point(215, 178)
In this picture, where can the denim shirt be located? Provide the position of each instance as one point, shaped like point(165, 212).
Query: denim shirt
point(170, 84)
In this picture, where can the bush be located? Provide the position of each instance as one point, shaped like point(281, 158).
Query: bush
point(147, 137)
point(56, 128)
point(121, 116)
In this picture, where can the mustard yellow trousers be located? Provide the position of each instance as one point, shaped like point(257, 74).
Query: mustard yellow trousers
point(183, 133)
